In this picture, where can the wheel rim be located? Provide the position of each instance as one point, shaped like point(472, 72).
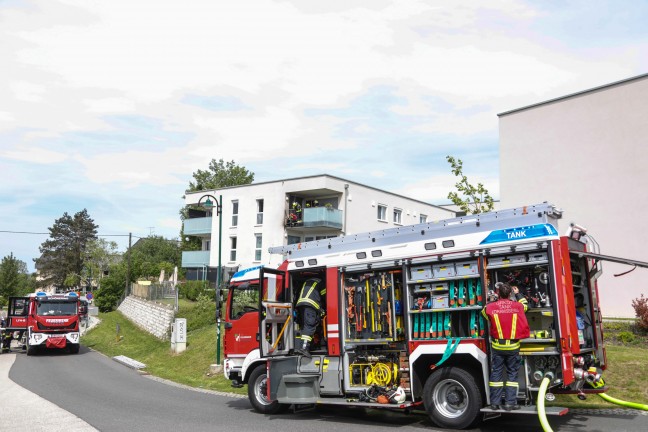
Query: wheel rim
point(450, 398)
point(260, 390)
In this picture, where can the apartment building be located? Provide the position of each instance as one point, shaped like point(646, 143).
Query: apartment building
point(586, 152)
point(257, 216)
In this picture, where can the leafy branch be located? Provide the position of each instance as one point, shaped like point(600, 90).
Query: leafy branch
point(469, 198)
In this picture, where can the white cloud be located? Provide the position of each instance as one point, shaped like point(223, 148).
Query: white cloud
point(35, 155)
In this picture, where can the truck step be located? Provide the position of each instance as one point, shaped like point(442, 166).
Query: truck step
point(528, 409)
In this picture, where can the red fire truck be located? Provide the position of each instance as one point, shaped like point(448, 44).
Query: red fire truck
point(42, 320)
point(403, 317)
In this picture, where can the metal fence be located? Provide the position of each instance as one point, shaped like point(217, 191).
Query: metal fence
point(155, 291)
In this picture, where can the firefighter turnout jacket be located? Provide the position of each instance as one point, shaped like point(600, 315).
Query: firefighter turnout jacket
point(508, 324)
point(312, 293)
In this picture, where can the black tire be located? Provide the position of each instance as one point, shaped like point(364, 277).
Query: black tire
point(74, 348)
point(257, 392)
point(452, 399)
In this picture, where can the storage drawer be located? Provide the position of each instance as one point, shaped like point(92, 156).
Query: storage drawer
point(421, 272)
point(440, 302)
point(538, 256)
point(506, 260)
point(443, 270)
point(467, 268)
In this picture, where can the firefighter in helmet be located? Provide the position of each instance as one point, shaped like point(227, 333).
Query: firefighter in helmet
point(310, 308)
point(508, 325)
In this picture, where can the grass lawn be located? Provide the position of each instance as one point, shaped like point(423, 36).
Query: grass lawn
point(626, 376)
point(190, 367)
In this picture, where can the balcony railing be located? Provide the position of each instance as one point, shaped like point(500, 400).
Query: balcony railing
point(195, 258)
point(315, 217)
point(197, 226)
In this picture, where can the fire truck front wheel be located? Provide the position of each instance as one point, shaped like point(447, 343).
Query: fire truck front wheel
point(452, 398)
point(74, 348)
point(257, 392)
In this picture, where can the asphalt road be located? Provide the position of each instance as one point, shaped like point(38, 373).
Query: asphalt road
point(111, 397)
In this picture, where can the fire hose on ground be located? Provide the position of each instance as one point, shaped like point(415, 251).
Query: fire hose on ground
point(543, 391)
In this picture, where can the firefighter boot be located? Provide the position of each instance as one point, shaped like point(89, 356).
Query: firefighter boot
point(304, 349)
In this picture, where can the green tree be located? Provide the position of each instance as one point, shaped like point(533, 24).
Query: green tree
point(475, 199)
point(220, 174)
point(63, 255)
point(148, 257)
point(15, 280)
point(100, 255)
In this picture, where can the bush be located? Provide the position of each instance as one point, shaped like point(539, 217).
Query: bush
point(200, 314)
point(626, 337)
point(191, 290)
point(640, 306)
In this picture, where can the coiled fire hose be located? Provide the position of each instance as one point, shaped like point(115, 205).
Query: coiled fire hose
point(542, 415)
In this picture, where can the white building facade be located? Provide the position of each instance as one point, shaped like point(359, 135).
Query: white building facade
point(588, 154)
point(261, 215)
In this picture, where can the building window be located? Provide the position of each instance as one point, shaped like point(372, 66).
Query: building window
point(232, 248)
point(293, 239)
point(258, 247)
point(423, 218)
point(398, 213)
point(234, 213)
point(207, 245)
point(259, 219)
point(382, 212)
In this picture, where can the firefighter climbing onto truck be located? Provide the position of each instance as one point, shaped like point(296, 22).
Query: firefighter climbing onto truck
point(310, 310)
point(403, 317)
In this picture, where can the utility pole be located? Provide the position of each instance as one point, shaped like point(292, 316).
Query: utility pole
point(130, 238)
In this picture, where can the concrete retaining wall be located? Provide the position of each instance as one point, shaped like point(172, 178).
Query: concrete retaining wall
point(152, 317)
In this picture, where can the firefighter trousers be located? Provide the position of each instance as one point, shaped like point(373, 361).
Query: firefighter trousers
point(504, 376)
point(310, 319)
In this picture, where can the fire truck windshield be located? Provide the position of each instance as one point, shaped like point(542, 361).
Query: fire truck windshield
point(56, 308)
point(245, 298)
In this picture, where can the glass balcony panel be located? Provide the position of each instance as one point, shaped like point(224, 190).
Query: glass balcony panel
point(195, 258)
point(197, 226)
point(322, 217)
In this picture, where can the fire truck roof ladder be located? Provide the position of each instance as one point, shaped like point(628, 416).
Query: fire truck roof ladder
point(501, 219)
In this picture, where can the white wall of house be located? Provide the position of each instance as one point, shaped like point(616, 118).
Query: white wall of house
point(587, 153)
point(358, 202)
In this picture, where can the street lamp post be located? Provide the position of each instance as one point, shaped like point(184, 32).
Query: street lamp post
point(218, 204)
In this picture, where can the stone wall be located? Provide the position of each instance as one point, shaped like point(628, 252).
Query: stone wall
point(155, 318)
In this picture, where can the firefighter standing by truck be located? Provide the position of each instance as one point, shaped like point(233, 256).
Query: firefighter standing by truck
point(508, 325)
point(310, 309)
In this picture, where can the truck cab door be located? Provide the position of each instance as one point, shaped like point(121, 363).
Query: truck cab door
point(275, 314)
point(17, 313)
point(242, 319)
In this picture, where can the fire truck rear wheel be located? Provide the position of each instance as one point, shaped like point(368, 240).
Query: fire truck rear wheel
point(257, 392)
point(452, 398)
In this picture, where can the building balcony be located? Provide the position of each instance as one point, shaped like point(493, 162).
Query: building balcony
point(318, 217)
point(197, 226)
point(195, 259)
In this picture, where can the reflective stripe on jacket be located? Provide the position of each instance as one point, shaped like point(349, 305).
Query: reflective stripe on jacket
point(508, 324)
point(311, 293)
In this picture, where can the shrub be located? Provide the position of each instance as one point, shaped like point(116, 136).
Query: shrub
point(640, 306)
point(200, 314)
point(192, 289)
point(626, 337)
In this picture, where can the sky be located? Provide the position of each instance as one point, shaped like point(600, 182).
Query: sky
point(110, 106)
